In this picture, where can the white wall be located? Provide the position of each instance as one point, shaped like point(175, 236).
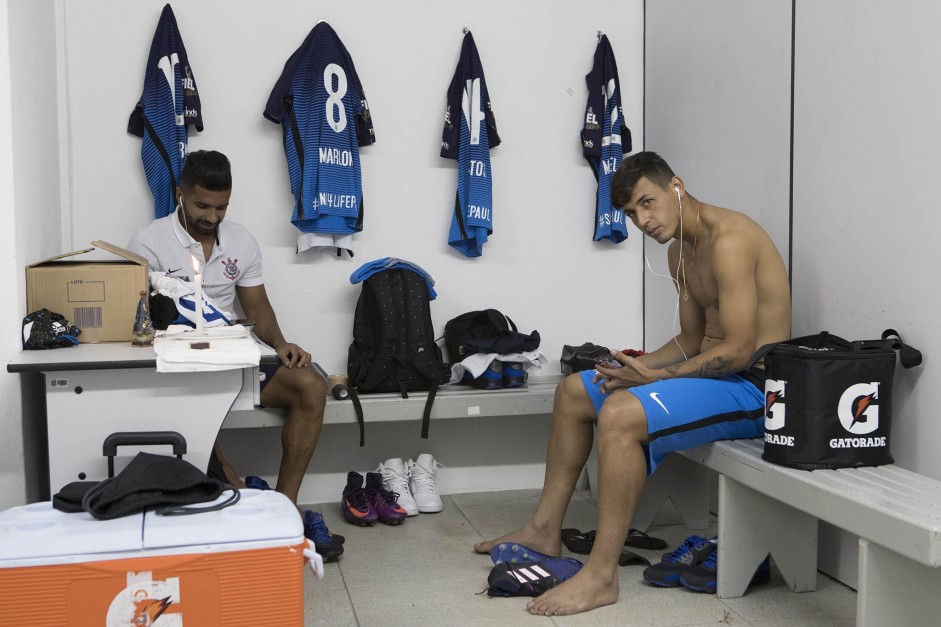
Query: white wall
point(718, 110)
point(540, 265)
point(12, 477)
point(866, 163)
point(29, 180)
point(535, 57)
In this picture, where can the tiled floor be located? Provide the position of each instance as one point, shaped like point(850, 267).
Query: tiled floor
point(425, 572)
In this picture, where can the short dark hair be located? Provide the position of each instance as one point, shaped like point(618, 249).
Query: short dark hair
point(207, 168)
point(643, 164)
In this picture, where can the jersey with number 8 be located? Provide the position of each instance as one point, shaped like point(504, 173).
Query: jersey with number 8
point(320, 104)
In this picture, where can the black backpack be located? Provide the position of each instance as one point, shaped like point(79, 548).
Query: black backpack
point(394, 347)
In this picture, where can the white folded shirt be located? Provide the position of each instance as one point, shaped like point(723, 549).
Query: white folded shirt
point(230, 347)
point(478, 363)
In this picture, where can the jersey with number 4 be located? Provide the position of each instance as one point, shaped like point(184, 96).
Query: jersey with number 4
point(470, 131)
point(320, 104)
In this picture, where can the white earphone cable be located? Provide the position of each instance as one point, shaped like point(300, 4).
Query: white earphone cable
point(676, 312)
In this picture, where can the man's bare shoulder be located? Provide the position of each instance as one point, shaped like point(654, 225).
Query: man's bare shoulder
point(737, 228)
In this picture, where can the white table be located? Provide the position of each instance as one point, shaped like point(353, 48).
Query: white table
point(93, 390)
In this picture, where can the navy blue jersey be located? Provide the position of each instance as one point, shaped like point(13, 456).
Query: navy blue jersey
point(470, 131)
point(605, 139)
point(168, 104)
point(320, 104)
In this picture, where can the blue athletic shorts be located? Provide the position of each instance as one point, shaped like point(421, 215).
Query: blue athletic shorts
point(686, 412)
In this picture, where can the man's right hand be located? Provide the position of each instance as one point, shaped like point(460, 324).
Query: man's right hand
point(631, 373)
point(293, 356)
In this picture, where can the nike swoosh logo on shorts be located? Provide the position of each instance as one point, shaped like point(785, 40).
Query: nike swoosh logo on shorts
point(654, 396)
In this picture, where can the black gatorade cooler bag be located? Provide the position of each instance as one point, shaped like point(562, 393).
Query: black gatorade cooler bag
point(828, 401)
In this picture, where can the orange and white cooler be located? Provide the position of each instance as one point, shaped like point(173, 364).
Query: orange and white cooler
point(242, 565)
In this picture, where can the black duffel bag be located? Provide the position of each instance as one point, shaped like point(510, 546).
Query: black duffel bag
point(828, 401)
point(486, 331)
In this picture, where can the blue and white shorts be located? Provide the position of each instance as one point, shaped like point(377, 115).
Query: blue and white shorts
point(686, 412)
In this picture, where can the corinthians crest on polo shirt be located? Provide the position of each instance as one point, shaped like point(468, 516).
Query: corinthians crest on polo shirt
point(828, 402)
point(230, 268)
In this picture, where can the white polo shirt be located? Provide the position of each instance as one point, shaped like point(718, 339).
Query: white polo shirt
point(235, 258)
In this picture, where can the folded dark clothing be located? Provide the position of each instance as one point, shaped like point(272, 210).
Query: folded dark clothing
point(151, 481)
point(69, 498)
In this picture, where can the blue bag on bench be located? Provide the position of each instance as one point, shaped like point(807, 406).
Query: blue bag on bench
point(828, 401)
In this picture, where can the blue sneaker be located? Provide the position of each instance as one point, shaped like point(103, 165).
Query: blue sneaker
point(256, 483)
point(693, 551)
point(330, 547)
point(492, 378)
point(516, 553)
point(513, 374)
point(702, 578)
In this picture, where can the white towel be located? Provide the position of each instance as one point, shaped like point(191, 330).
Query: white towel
point(229, 348)
point(477, 364)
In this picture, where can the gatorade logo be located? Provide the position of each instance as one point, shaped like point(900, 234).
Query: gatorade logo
point(858, 409)
point(146, 602)
point(775, 408)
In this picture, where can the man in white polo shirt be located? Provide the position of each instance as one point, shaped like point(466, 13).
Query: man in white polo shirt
point(229, 260)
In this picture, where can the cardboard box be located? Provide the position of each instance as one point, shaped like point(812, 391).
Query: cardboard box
point(100, 297)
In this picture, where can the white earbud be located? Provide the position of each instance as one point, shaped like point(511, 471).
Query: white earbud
point(677, 193)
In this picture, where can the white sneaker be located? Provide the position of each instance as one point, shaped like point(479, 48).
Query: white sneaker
point(422, 483)
point(395, 479)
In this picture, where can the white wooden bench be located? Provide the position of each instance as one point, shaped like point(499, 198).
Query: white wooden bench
point(451, 401)
point(765, 508)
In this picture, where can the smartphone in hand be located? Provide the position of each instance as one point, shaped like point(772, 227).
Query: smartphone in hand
point(607, 361)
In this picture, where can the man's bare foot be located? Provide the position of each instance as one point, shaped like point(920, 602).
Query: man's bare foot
point(549, 543)
point(581, 593)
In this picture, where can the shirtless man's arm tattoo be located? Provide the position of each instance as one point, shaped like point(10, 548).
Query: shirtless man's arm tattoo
point(714, 367)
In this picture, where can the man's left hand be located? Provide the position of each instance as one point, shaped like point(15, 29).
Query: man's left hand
point(293, 356)
point(631, 373)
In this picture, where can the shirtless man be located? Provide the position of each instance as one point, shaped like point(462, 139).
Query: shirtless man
point(734, 297)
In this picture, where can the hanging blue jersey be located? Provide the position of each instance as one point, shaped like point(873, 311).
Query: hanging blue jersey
point(605, 139)
point(168, 104)
point(324, 117)
point(470, 131)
